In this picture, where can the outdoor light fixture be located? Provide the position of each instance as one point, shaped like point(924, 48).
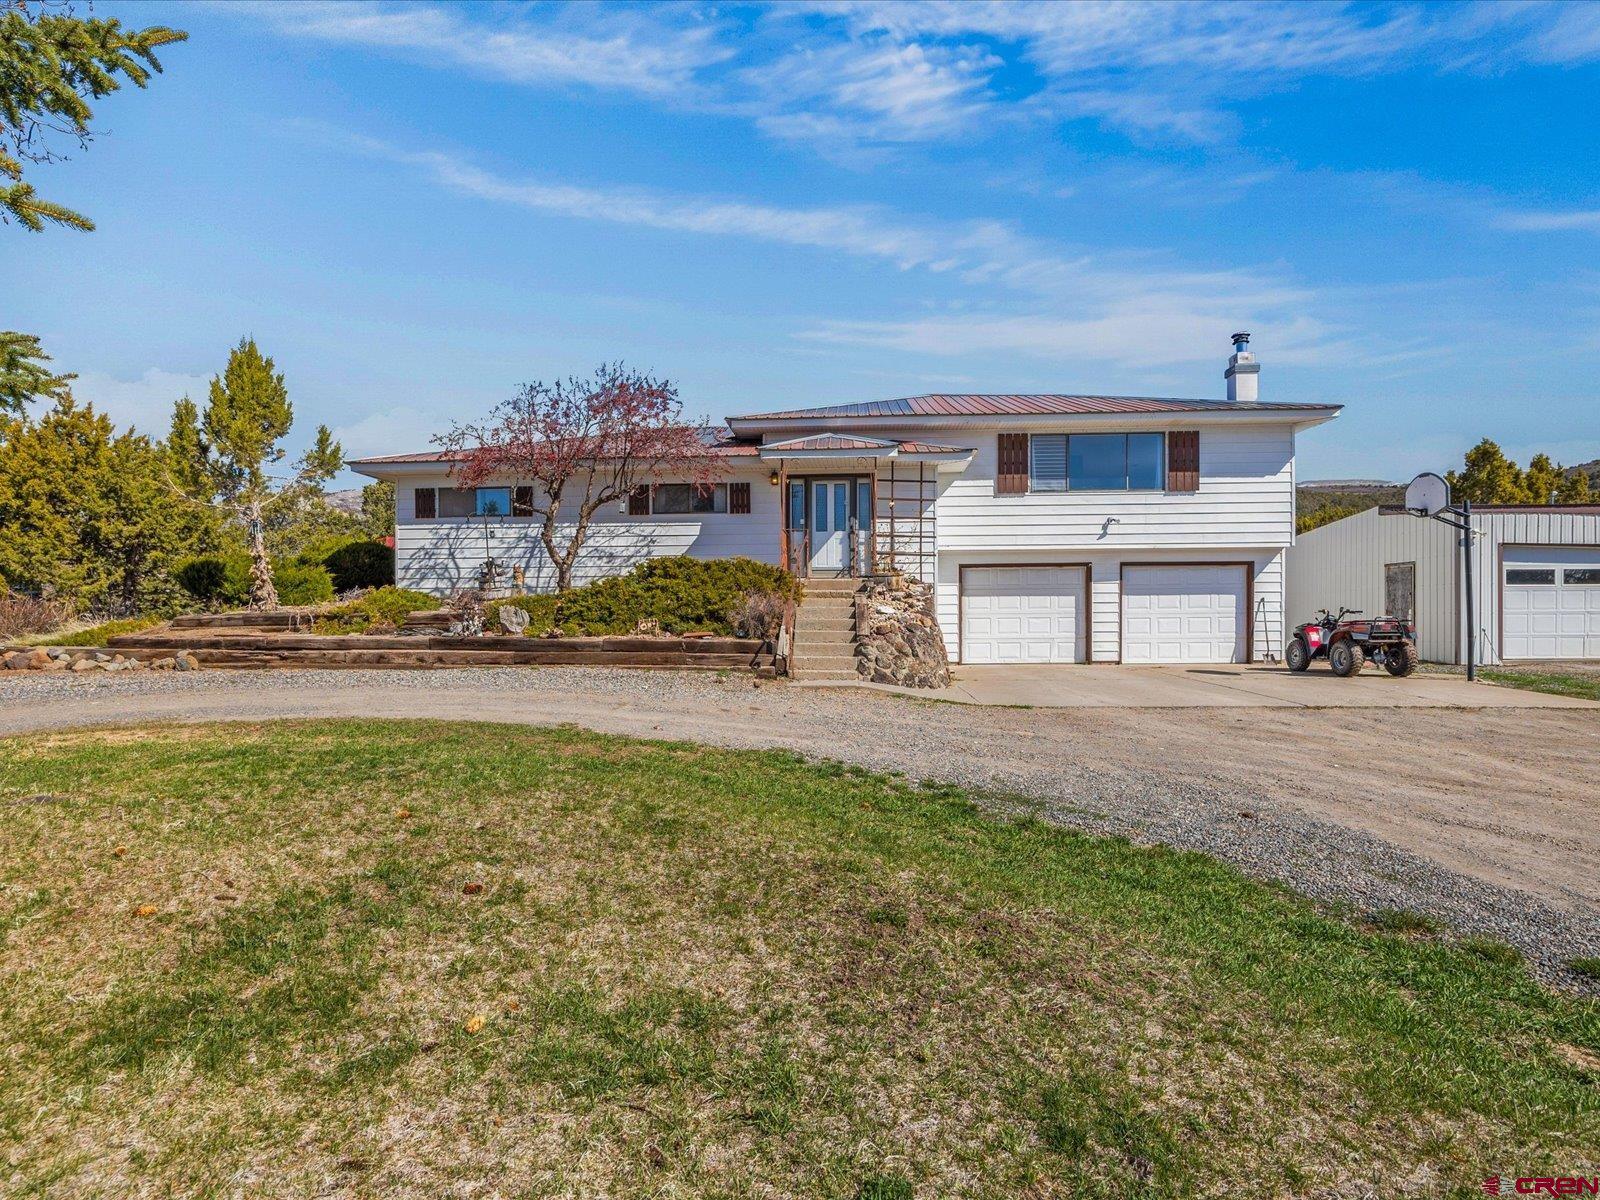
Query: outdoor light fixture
point(773, 479)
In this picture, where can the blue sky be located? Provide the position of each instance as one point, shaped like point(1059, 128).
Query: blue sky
point(414, 208)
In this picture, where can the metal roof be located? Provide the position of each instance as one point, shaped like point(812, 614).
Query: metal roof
point(1015, 405)
point(715, 449)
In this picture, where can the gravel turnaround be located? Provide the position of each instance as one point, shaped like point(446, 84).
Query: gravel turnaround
point(1415, 823)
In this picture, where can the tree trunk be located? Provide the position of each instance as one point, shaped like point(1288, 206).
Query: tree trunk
point(562, 560)
point(262, 593)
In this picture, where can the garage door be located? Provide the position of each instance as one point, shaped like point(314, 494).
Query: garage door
point(1551, 603)
point(1183, 614)
point(1022, 615)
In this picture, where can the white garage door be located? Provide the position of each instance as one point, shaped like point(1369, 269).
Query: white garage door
point(1552, 602)
point(1022, 615)
point(1183, 614)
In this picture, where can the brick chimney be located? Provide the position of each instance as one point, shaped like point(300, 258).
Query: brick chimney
point(1242, 371)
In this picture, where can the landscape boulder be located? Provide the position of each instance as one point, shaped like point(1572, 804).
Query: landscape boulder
point(897, 634)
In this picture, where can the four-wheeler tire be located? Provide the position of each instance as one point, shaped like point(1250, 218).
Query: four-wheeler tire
point(1298, 655)
point(1346, 657)
point(1401, 659)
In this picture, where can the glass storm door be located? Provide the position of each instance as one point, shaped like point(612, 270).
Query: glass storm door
point(830, 526)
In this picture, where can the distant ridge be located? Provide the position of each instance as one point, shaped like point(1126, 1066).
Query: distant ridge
point(1348, 483)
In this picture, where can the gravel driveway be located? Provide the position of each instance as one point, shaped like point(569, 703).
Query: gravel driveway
point(1485, 819)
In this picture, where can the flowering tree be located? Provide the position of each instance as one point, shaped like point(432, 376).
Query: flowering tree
point(581, 444)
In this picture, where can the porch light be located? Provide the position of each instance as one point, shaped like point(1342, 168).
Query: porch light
point(773, 479)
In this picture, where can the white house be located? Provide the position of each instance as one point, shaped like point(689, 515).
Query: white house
point(1055, 528)
point(1536, 577)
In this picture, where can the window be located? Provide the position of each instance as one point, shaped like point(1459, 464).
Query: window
point(492, 502)
point(425, 503)
point(522, 502)
point(1097, 462)
point(457, 502)
point(1589, 575)
point(690, 498)
point(1147, 469)
point(797, 504)
point(1047, 466)
point(1530, 575)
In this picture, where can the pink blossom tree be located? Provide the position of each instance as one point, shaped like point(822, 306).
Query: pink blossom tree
point(580, 444)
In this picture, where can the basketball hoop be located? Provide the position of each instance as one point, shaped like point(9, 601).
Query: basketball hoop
point(1427, 495)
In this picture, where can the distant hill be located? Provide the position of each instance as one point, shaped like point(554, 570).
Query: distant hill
point(1321, 501)
point(1591, 469)
point(346, 501)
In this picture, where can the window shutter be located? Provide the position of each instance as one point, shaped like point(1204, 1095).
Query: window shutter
point(639, 501)
point(522, 501)
point(426, 503)
point(1011, 478)
point(739, 497)
point(1183, 461)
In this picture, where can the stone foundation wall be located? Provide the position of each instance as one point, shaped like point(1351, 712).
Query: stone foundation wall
point(897, 634)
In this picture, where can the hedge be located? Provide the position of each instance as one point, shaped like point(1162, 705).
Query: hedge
point(361, 565)
point(225, 582)
point(686, 595)
point(385, 608)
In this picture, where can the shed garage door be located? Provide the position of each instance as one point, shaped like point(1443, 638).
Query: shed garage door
point(1551, 602)
point(1187, 614)
point(1022, 615)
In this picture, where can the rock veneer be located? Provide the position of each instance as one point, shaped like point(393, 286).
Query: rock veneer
point(897, 634)
point(82, 660)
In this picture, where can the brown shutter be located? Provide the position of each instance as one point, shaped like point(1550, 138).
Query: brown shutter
point(739, 497)
point(1183, 461)
point(522, 501)
point(639, 501)
point(1011, 478)
point(426, 503)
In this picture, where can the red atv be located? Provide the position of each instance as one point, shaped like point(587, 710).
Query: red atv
point(1347, 645)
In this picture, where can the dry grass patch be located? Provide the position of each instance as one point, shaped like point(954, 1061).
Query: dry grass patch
point(701, 972)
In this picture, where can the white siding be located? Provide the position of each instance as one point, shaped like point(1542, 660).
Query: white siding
point(1341, 565)
point(1246, 498)
point(445, 554)
point(1105, 576)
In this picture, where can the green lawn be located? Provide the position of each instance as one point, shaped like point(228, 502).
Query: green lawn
point(387, 959)
point(1585, 687)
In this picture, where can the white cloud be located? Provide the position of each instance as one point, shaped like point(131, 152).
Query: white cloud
point(389, 431)
point(1087, 305)
point(613, 48)
point(144, 403)
point(1551, 221)
point(876, 92)
point(848, 78)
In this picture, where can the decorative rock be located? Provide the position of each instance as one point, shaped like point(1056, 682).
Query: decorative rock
point(185, 661)
point(85, 664)
point(897, 635)
point(164, 664)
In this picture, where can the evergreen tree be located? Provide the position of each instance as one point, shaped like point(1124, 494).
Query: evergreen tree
point(377, 509)
point(52, 63)
point(247, 414)
point(23, 376)
point(1489, 477)
point(87, 513)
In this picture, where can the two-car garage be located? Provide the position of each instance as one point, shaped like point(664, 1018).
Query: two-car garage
point(1165, 613)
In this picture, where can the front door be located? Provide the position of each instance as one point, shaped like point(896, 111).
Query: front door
point(830, 526)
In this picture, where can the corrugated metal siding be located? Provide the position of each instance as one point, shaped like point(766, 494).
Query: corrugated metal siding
point(1342, 565)
point(1245, 498)
point(441, 556)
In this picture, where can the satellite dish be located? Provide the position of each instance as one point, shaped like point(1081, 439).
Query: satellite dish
point(512, 618)
point(1427, 495)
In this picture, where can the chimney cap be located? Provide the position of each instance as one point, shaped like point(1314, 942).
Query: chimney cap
point(1242, 337)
